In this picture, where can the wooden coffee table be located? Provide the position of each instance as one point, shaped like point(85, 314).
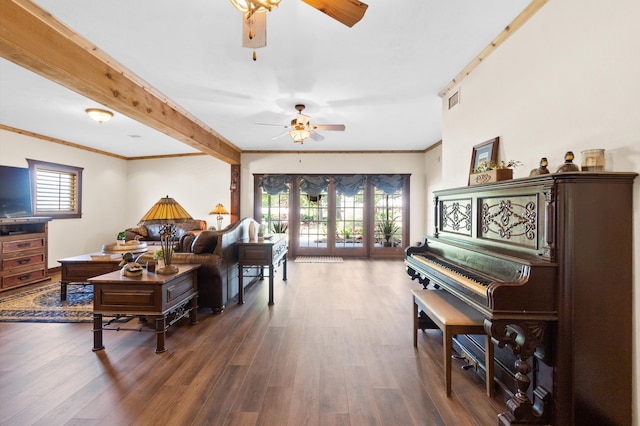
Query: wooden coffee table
point(151, 296)
point(78, 269)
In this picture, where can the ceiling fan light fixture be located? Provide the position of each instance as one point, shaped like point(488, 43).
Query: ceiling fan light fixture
point(249, 7)
point(99, 115)
point(299, 135)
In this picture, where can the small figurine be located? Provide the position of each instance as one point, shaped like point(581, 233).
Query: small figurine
point(130, 268)
point(542, 170)
point(568, 165)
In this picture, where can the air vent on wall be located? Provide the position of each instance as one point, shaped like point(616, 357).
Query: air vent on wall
point(454, 99)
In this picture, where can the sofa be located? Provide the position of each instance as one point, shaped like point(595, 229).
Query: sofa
point(216, 252)
point(151, 233)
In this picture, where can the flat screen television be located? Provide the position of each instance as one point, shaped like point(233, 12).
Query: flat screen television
point(15, 192)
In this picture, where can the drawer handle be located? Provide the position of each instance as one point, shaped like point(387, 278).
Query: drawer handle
point(23, 245)
point(24, 261)
point(24, 277)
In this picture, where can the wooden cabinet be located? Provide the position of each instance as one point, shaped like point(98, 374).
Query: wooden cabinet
point(23, 251)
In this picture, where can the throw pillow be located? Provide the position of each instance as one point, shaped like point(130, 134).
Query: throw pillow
point(141, 230)
point(205, 242)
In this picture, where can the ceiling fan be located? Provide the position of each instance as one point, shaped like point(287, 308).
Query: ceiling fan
point(301, 129)
point(254, 24)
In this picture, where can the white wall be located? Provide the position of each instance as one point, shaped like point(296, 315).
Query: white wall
point(341, 163)
point(567, 80)
point(117, 193)
point(198, 183)
point(433, 182)
point(101, 175)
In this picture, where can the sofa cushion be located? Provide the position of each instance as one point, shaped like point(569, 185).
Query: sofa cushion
point(205, 242)
point(153, 231)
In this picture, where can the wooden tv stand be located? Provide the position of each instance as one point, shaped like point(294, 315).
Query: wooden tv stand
point(23, 251)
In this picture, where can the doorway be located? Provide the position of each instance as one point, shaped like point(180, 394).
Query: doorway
point(335, 215)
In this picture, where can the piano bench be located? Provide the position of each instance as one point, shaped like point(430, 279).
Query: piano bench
point(452, 316)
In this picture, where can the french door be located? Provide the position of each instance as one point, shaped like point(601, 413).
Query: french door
point(330, 223)
point(334, 215)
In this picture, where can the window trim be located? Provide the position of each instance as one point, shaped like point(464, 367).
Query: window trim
point(34, 166)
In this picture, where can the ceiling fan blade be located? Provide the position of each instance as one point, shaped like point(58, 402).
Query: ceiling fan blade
point(338, 127)
point(280, 135)
point(349, 12)
point(316, 136)
point(276, 125)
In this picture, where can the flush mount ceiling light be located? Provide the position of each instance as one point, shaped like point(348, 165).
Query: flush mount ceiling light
point(99, 115)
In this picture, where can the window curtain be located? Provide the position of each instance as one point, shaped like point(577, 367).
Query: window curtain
point(313, 185)
point(388, 183)
point(275, 184)
point(349, 185)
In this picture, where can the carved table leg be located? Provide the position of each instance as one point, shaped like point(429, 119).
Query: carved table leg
point(160, 334)
point(63, 290)
point(97, 332)
point(193, 312)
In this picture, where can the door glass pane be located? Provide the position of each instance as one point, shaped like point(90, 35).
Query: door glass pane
point(313, 220)
point(388, 219)
point(349, 220)
point(275, 213)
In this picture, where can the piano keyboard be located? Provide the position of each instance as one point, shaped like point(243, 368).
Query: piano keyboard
point(474, 282)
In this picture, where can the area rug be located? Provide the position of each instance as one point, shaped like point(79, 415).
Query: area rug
point(43, 304)
point(318, 259)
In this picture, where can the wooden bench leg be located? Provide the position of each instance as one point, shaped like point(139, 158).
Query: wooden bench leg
point(447, 341)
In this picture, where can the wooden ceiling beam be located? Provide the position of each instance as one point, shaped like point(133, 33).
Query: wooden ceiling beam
point(33, 39)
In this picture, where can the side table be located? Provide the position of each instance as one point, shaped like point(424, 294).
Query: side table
point(149, 295)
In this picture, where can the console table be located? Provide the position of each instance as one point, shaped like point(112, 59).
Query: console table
point(269, 252)
point(148, 295)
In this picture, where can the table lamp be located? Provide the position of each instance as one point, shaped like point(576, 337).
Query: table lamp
point(219, 210)
point(166, 211)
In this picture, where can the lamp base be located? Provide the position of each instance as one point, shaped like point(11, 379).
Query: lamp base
point(167, 270)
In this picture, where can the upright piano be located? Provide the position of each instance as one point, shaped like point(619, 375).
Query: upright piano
point(548, 261)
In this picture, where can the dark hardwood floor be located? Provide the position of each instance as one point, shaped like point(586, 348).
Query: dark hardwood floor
point(335, 349)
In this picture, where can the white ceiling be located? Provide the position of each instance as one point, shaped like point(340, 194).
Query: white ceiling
point(380, 78)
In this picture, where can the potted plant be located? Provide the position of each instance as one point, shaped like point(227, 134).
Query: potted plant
point(121, 237)
point(388, 227)
point(489, 171)
point(279, 227)
point(159, 255)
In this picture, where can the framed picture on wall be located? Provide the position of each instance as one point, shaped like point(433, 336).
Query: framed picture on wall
point(485, 151)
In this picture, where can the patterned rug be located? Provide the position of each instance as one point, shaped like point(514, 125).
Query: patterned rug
point(43, 304)
point(318, 259)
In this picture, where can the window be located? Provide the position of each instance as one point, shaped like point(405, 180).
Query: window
point(56, 189)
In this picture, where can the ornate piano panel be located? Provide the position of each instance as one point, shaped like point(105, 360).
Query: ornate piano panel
point(548, 262)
